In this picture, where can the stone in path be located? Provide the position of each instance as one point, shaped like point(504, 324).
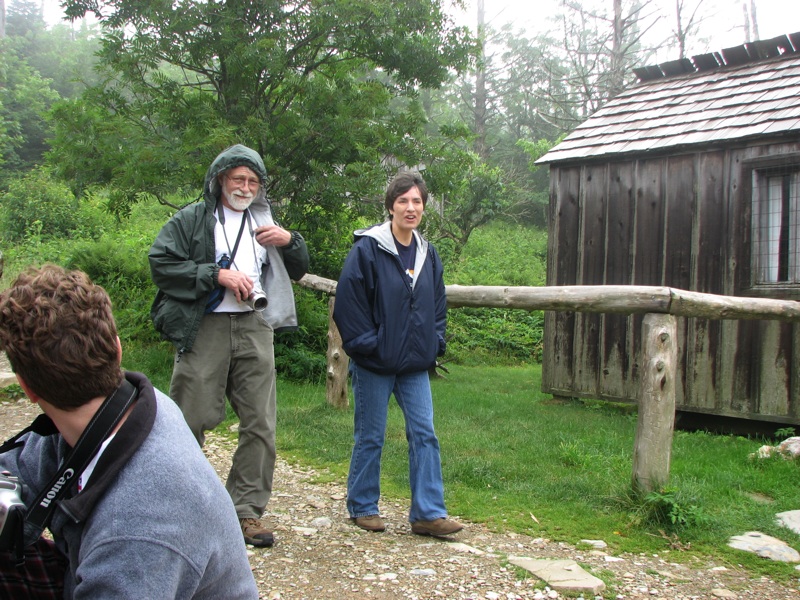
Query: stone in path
point(790, 519)
point(563, 575)
point(764, 546)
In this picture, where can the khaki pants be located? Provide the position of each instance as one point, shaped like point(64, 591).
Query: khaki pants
point(233, 357)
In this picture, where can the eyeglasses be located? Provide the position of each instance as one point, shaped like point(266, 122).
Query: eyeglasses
point(240, 180)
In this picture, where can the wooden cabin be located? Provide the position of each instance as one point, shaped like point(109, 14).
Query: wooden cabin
point(690, 179)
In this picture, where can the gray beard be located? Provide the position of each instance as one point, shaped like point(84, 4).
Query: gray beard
point(238, 202)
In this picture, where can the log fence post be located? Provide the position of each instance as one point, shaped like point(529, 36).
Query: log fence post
point(652, 449)
point(338, 364)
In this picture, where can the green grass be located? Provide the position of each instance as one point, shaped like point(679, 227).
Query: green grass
point(518, 460)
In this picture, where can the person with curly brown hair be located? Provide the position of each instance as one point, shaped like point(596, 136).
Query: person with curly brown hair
point(147, 516)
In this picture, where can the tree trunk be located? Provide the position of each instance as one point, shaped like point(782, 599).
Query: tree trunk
point(754, 20)
point(480, 87)
point(746, 22)
point(617, 74)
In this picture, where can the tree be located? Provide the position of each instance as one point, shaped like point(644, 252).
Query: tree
point(25, 98)
point(24, 19)
point(63, 54)
point(324, 90)
point(480, 87)
point(37, 66)
point(514, 104)
point(689, 16)
point(598, 52)
point(750, 21)
point(477, 200)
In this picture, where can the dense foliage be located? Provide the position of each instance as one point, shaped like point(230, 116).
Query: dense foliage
point(499, 254)
point(24, 98)
point(38, 66)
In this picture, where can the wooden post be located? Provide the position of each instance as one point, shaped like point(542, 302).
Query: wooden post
point(653, 446)
point(338, 363)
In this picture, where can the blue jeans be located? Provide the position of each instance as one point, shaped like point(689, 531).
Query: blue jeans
point(371, 393)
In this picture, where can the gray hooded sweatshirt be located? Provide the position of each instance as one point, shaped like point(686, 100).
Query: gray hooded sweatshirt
point(154, 520)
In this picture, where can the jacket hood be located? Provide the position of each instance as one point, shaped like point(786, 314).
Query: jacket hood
point(230, 158)
point(383, 235)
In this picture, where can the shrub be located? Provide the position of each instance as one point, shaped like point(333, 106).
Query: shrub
point(119, 264)
point(494, 336)
point(667, 509)
point(301, 355)
point(112, 261)
point(498, 254)
point(37, 207)
point(501, 254)
point(35, 204)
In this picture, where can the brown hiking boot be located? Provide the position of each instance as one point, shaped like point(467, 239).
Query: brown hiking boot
point(369, 523)
point(256, 534)
point(437, 528)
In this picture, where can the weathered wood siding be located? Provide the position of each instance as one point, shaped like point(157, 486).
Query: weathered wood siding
point(681, 221)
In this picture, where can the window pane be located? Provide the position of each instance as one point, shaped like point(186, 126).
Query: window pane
point(773, 233)
point(776, 226)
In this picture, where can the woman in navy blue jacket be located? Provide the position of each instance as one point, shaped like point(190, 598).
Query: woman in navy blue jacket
point(391, 310)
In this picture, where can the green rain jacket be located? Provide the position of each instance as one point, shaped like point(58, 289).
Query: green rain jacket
point(183, 264)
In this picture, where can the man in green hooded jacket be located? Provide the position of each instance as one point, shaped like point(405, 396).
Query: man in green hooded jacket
point(223, 268)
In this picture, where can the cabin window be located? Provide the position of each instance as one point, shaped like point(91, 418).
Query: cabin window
point(776, 225)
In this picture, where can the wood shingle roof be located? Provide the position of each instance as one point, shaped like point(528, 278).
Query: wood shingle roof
point(753, 90)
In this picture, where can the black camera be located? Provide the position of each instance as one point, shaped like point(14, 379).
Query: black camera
point(12, 511)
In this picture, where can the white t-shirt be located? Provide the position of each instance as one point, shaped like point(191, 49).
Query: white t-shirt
point(250, 255)
point(87, 472)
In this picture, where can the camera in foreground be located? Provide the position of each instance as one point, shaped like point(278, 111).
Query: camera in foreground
point(12, 511)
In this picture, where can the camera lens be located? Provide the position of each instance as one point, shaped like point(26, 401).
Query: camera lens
point(257, 301)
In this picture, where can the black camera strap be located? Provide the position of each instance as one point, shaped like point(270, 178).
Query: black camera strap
point(221, 218)
point(99, 428)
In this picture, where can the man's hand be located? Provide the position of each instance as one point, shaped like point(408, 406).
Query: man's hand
point(272, 235)
point(237, 282)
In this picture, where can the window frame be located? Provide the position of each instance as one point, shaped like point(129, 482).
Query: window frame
point(753, 173)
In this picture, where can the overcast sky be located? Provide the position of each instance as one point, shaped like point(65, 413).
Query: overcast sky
point(722, 27)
